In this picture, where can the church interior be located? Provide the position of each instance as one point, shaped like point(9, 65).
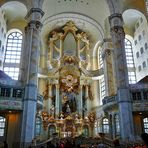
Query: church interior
point(73, 68)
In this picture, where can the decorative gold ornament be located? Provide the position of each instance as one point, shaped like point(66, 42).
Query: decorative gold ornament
point(92, 117)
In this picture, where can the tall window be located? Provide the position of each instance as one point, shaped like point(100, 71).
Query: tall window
point(105, 125)
point(102, 81)
point(98, 127)
point(38, 126)
point(102, 85)
point(145, 122)
point(12, 55)
point(117, 125)
point(100, 58)
point(2, 125)
point(130, 62)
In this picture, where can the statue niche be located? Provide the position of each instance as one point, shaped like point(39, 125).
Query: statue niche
point(69, 104)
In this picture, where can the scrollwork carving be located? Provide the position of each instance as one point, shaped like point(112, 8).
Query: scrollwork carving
point(117, 30)
point(92, 117)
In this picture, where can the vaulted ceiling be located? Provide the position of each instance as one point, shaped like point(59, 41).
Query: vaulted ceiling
point(89, 15)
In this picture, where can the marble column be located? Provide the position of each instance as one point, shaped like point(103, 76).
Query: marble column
point(32, 46)
point(123, 97)
point(57, 102)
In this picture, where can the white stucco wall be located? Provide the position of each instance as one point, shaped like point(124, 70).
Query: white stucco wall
point(141, 30)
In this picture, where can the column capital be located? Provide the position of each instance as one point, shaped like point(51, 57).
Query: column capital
point(117, 30)
point(107, 40)
point(116, 20)
point(107, 48)
point(34, 25)
point(116, 24)
point(106, 52)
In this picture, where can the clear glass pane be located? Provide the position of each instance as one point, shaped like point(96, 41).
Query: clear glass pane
point(13, 52)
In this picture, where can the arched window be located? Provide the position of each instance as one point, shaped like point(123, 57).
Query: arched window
point(38, 125)
point(102, 81)
point(105, 125)
point(99, 127)
point(130, 62)
point(2, 126)
point(12, 55)
point(117, 125)
point(51, 130)
point(102, 86)
point(145, 123)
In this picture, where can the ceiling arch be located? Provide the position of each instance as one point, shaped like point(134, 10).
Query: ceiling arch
point(98, 10)
point(130, 17)
point(94, 29)
point(14, 10)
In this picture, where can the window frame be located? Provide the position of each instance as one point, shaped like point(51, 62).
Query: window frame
point(117, 125)
point(130, 61)
point(145, 121)
point(2, 126)
point(13, 54)
point(38, 125)
point(105, 125)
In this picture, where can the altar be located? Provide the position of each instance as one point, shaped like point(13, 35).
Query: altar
point(68, 93)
